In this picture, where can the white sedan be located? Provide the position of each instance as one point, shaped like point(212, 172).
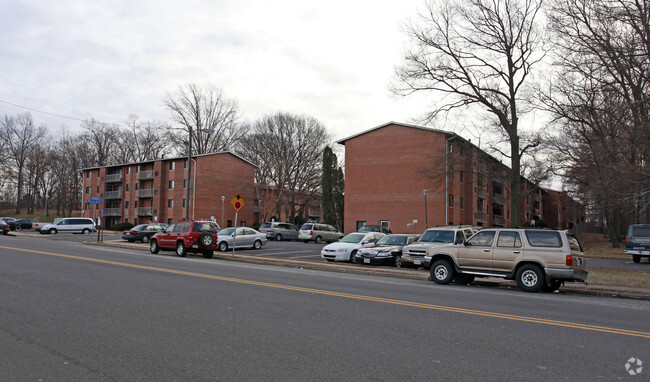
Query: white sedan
point(243, 237)
point(347, 247)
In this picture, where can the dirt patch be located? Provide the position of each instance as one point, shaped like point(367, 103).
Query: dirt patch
point(597, 245)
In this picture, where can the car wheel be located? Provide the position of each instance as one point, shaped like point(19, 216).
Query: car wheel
point(318, 240)
point(397, 263)
point(353, 257)
point(85, 231)
point(19, 228)
point(153, 247)
point(278, 237)
point(464, 279)
point(553, 286)
point(180, 249)
point(636, 258)
point(257, 244)
point(145, 239)
point(208, 254)
point(223, 246)
point(52, 231)
point(442, 272)
point(206, 239)
point(530, 278)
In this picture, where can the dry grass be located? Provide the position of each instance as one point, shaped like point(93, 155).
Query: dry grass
point(596, 245)
point(632, 279)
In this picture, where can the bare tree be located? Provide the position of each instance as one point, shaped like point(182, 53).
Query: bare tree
point(477, 53)
point(102, 138)
point(197, 110)
point(287, 149)
point(142, 140)
point(22, 138)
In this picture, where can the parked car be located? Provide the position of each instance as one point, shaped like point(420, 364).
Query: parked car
point(143, 232)
point(186, 236)
point(536, 259)
point(240, 237)
point(375, 228)
point(414, 254)
point(387, 250)
point(36, 226)
point(637, 241)
point(22, 224)
point(346, 248)
point(70, 225)
point(319, 232)
point(4, 227)
point(279, 231)
point(8, 220)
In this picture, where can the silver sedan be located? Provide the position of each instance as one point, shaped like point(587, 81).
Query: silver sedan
point(242, 237)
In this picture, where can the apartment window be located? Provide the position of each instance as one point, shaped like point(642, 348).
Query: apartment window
point(98, 189)
point(138, 168)
point(451, 200)
point(185, 164)
point(87, 190)
point(137, 186)
point(87, 206)
point(135, 204)
point(88, 175)
point(128, 171)
point(170, 203)
point(184, 203)
point(361, 223)
point(229, 223)
point(135, 221)
point(451, 173)
point(172, 166)
point(461, 175)
point(171, 184)
point(460, 203)
point(127, 187)
point(451, 147)
point(126, 205)
point(98, 173)
point(385, 223)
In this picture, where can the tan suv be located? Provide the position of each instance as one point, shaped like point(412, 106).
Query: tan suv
point(536, 259)
point(319, 232)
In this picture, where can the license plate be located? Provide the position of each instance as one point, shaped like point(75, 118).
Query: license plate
point(417, 262)
point(367, 261)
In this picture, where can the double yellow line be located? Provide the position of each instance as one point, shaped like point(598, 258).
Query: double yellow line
point(354, 296)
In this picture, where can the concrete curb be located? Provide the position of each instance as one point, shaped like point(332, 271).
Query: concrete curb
point(413, 274)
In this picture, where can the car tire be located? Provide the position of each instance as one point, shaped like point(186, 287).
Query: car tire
point(318, 240)
point(257, 244)
point(442, 272)
point(397, 263)
point(206, 239)
point(353, 257)
point(530, 278)
point(52, 231)
point(181, 250)
point(208, 254)
point(636, 258)
point(223, 246)
point(86, 231)
point(278, 237)
point(153, 247)
point(552, 286)
point(464, 279)
point(19, 228)
point(145, 239)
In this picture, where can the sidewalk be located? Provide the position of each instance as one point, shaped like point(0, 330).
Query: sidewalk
point(415, 274)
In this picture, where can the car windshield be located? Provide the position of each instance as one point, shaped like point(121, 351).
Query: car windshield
point(437, 236)
point(392, 240)
point(139, 228)
point(352, 238)
point(227, 231)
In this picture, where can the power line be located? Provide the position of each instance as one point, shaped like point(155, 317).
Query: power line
point(43, 112)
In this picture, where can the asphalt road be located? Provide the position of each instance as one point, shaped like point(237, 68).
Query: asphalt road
point(75, 312)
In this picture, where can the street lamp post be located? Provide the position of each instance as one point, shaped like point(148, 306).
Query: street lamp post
point(426, 213)
point(223, 198)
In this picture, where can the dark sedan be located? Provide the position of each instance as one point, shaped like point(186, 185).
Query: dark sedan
point(4, 227)
point(22, 224)
point(143, 232)
point(386, 251)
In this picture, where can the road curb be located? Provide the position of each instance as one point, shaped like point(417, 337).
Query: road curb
point(412, 274)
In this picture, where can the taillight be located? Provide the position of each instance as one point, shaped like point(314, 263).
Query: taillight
point(569, 260)
point(627, 240)
point(269, 230)
point(311, 233)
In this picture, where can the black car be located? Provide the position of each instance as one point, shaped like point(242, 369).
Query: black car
point(21, 224)
point(387, 250)
point(143, 232)
point(4, 227)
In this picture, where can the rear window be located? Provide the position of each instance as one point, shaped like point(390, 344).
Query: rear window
point(306, 227)
point(641, 231)
point(544, 238)
point(204, 227)
point(265, 225)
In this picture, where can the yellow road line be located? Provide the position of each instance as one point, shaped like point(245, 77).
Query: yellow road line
point(504, 316)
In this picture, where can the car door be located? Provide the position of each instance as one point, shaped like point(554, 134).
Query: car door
point(289, 232)
point(508, 248)
point(64, 225)
point(476, 252)
point(169, 239)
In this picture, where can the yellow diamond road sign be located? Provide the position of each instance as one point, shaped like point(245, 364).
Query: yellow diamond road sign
point(237, 202)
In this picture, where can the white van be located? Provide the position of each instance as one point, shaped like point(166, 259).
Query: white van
point(70, 225)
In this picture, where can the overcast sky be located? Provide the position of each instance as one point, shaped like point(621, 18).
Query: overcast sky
point(108, 59)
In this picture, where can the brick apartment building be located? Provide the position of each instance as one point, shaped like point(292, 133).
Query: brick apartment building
point(389, 167)
point(561, 211)
point(156, 190)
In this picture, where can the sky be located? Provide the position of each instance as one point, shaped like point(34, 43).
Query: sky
point(106, 60)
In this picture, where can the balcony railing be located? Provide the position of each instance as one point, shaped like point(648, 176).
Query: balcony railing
point(482, 193)
point(497, 198)
point(497, 220)
point(112, 178)
point(481, 217)
point(113, 194)
point(142, 175)
point(144, 211)
point(112, 212)
point(145, 193)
